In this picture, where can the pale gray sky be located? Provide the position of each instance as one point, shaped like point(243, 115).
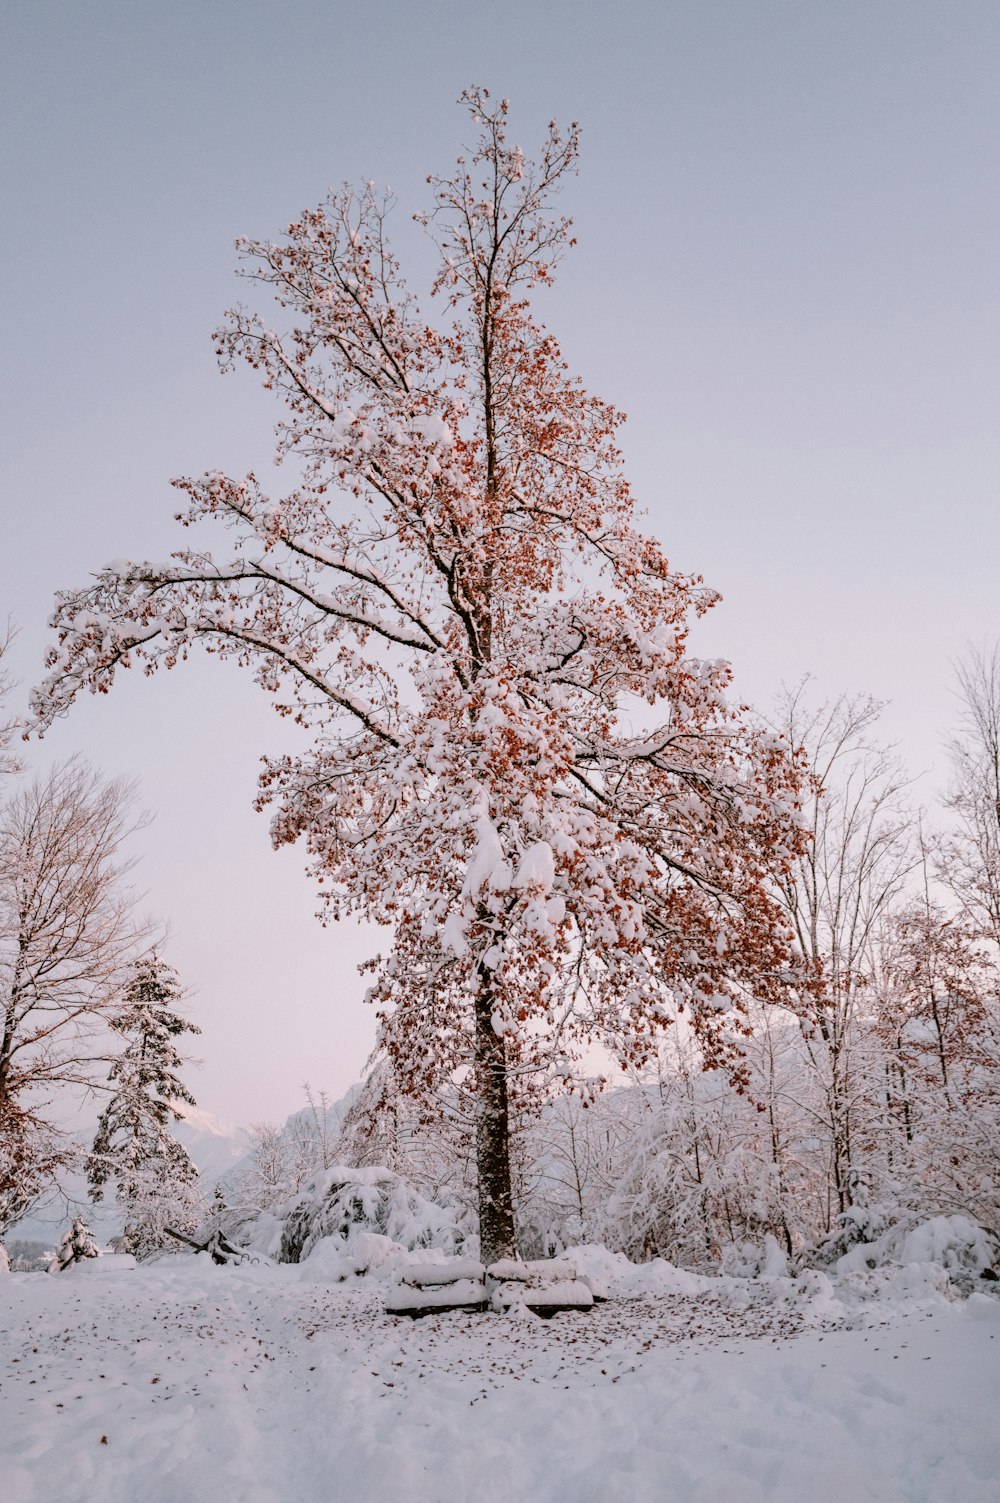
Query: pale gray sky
point(787, 274)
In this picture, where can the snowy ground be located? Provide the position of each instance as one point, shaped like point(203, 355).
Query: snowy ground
point(182, 1381)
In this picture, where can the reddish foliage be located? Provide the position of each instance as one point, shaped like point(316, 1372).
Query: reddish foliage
point(472, 645)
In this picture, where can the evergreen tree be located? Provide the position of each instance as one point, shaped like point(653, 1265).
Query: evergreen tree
point(76, 1243)
point(156, 1183)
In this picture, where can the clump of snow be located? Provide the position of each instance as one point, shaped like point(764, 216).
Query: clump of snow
point(106, 1263)
point(775, 1260)
point(358, 1253)
point(815, 1294)
point(613, 1272)
point(981, 1307)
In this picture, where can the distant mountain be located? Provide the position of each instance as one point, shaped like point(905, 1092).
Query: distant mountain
point(214, 1145)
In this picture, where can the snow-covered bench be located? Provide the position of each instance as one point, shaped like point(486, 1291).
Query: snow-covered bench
point(448, 1271)
point(424, 1288)
point(530, 1271)
point(414, 1299)
point(544, 1286)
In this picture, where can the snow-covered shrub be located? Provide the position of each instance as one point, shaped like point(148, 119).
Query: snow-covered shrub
point(4, 1260)
point(859, 1227)
point(955, 1247)
point(748, 1260)
point(958, 1244)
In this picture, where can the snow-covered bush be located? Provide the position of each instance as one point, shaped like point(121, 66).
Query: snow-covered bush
point(878, 1242)
point(859, 1227)
point(748, 1260)
point(958, 1244)
point(341, 1202)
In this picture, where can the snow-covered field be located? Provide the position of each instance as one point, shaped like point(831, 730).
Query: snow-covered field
point(183, 1381)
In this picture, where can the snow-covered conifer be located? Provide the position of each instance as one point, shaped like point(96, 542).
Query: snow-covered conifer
point(155, 1181)
point(76, 1244)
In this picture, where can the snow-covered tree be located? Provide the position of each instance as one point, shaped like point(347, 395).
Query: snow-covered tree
point(314, 1130)
point(75, 1246)
point(155, 1182)
point(515, 763)
point(430, 1144)
point(837, 894)
point(67, 933)
point(281, 1159)
point(573, 1156)
point(31, 1154)
point(938, 1019)
point(971, 864)
point(8, 762)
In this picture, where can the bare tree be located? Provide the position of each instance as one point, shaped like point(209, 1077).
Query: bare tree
point(971, 864)
point(838, 893)
point(8, 762)
point(314, 1128)
point(67, 931)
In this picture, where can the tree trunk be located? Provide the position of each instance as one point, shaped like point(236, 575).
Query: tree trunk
point(496, 1205)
